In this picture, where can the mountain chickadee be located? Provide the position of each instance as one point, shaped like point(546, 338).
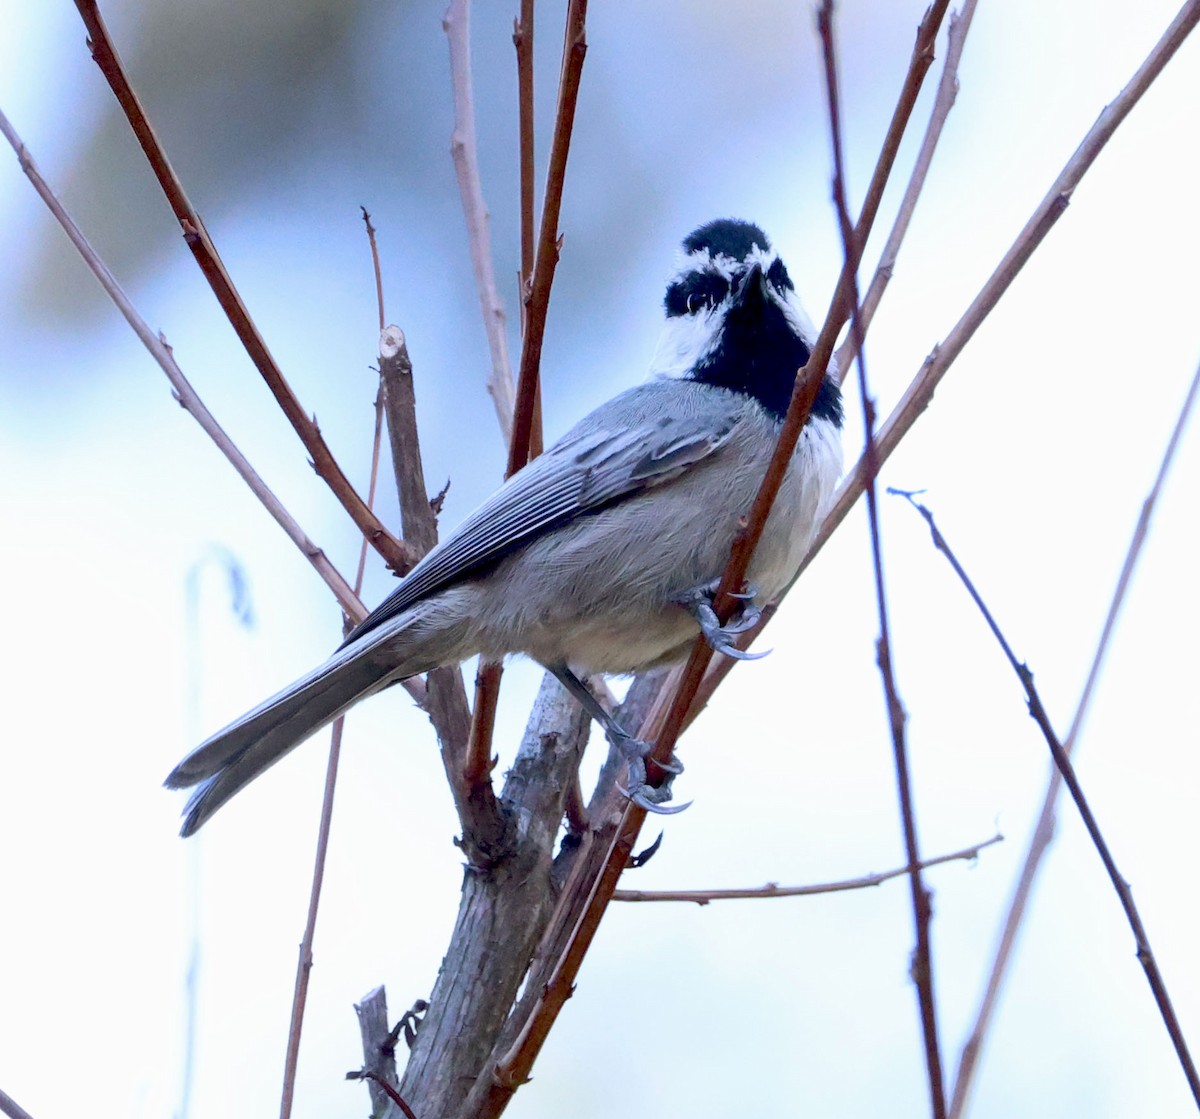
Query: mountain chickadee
point(603, 554)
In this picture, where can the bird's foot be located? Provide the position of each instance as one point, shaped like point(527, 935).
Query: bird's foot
point(699, 603)
point(640, 791)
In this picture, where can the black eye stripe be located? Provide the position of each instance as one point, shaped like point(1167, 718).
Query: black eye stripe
point(695, 291)
point(777, 274)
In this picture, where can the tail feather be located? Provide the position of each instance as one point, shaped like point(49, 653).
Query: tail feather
point(233, 757)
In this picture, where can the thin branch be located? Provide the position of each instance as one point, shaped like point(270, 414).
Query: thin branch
point(598, 864)
point(446, 704)
point(305, 962)
point(1043, 831)
point(922, 960)
point(1063, 763)
point(385, 1087)
point(11, 1108)
point(378, 274)
point(478, 764)
point(400, 406)
point(774, 890)
point(183, 391)
point(523, 41)
point(379, 1048)
point(395, 552)
point(920, 390)
point(525, 437)
point(943, 102)
point(464, 151)
point(521, 448)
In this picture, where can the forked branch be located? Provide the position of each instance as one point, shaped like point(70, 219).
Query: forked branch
point(396, 553)
point(1065, 768)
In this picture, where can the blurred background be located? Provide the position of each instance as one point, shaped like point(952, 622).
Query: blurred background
point(149, 598)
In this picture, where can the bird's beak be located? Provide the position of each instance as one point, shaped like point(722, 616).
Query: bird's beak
point(752, 290)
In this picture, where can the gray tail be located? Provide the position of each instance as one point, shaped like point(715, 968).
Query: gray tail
point(233, 757)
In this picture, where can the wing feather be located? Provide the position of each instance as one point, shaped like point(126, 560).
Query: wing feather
point(631, 444)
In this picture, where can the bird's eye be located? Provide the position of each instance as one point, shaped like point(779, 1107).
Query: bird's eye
point(696, 302)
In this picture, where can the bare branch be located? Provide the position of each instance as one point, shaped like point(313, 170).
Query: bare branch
point(378, 1046)
point(11, 1108)
point(479, 761)
point(774, 890)
point(943, 102)
point(525, 439)
point(597, 866)
point(395, 552)
point(920, 390)
point(400, 407)
point(521, 447)
point(523, 41)
point(1043, 831)
point(1063, 763)
point(183, 391)
point(305, 961)
point(922, 959)
point(378, 271)
point(463, 149)
point(484, 830)
point(808, 382)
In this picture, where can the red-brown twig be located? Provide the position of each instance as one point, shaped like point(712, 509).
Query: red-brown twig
point(520, 448)
point(183, 391)
point(808, 382)
point(922, 959)
point(464, 151)
point(1043, 831)
point(523, 41)
point(525, 436)
point(1063, 763)
point(920, 390)
point(389, 1091)
point(305, 961)
point(943, 102)
point(598, 868)
point(395, 552)
point(774, 890)
point(478, 763)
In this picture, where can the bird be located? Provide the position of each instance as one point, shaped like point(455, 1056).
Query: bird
point(604, 553)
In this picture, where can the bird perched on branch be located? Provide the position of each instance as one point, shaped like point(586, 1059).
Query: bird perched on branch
point(603, 554)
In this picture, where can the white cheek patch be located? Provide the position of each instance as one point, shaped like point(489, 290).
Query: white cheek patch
point(685, 340)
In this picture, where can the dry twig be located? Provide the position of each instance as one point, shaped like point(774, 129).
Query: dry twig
point(305, 961)
point(598, 864)
point(919, 393)
point(183, 391)
point(395, 552)
point(943, 102)
point(774, 890)
point(11, 1108)
point(1043, 831)
point(1063, 763)
point(521, 448)
point(464, 150)
point(922, 959)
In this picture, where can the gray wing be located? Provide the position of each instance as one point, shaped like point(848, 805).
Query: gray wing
point(645, 437)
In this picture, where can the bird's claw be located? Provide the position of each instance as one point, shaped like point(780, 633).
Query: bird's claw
point(720, 638)
point(640, 791)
